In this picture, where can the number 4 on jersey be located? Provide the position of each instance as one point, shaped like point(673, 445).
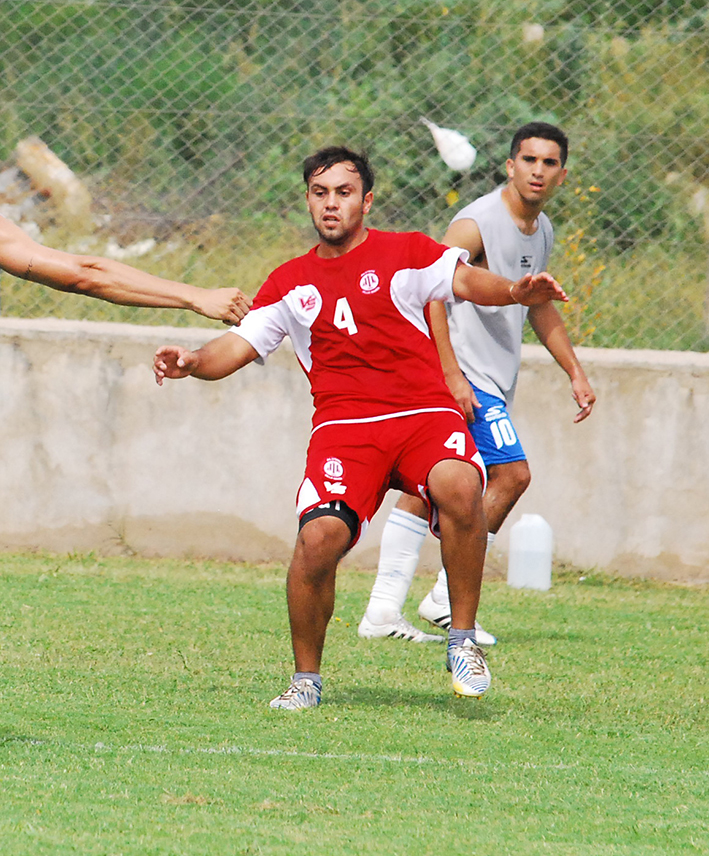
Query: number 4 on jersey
point(344, 319)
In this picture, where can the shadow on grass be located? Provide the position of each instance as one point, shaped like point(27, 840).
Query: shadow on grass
point(489, 709)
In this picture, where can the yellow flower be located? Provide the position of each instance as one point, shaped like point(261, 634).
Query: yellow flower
point(452, 197)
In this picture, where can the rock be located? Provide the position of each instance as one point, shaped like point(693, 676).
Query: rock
point(51, 177)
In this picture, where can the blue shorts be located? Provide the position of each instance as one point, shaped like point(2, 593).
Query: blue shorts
point(493, 431)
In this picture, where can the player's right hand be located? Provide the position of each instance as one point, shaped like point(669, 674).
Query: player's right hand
point(172, 361)
point(463, 393)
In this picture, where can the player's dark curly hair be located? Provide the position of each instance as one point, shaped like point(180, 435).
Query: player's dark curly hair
point(325, 158)
point(544, 131)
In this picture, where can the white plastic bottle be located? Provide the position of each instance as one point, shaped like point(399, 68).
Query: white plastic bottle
point(531, 545)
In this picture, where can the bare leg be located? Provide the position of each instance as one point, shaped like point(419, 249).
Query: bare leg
point(413, 504)
point(320, 545)
point(506, 484)
point(456, 489)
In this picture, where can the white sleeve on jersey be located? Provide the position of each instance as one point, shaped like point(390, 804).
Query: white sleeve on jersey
point(265, 328)
point(413, 288)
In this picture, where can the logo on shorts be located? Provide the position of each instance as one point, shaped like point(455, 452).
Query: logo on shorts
point(334, 469)
point(495, 412)
point(369, 282)
point(335, 487)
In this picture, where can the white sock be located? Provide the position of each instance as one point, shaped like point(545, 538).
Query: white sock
point(439, 592)
point(402, 538)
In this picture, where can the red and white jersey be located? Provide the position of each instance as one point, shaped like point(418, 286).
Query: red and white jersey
point(358, 326)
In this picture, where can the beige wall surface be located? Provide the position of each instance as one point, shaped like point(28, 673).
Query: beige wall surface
point(96, 457)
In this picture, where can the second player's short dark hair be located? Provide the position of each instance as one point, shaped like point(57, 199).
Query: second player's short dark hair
point(325, 158)
point(544, 131)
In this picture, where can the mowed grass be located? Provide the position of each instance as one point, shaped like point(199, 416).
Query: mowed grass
point(134, 720)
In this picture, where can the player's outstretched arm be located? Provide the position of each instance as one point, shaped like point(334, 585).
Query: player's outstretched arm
point(488, 289)
point(217, 359)
point(110, 280)
point(551, 332)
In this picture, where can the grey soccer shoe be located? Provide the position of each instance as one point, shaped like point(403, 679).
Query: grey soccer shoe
point(299, 695)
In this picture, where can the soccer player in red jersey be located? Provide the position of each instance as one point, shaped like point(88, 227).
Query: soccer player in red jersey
point(354, 308)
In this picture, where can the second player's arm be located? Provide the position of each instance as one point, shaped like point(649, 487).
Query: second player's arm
point(455, 379)
point(463, 233)
point(110, 280)
point(549, 326)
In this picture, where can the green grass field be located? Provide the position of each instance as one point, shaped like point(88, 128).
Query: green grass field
point(134, 720)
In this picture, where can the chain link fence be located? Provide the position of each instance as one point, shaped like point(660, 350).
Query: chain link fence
point(185, 125)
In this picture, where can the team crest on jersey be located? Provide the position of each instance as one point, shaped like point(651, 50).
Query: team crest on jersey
point(334, 469)
point(369, 282)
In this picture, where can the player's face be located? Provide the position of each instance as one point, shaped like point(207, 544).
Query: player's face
point(336, 205)
point(536, 171)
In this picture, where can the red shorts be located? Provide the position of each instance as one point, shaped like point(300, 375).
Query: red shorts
point(357, 462)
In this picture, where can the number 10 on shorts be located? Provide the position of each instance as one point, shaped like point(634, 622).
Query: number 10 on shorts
point(503, 433)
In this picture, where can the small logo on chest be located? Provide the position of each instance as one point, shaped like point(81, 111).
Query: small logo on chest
point(369, 282)
point(526, 262)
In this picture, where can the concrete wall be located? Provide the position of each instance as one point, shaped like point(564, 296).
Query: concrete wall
point(96, 457)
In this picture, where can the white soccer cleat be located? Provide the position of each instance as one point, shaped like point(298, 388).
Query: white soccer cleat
point(299, 695)
point(439, 615)
point(399, 629)
point(471, 676)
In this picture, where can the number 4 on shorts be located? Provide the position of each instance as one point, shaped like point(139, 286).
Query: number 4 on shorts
point(456, 441)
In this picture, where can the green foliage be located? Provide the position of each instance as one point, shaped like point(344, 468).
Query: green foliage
point(204, 108)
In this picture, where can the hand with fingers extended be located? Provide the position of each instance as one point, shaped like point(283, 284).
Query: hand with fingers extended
point(532, 290)
point(173, 361)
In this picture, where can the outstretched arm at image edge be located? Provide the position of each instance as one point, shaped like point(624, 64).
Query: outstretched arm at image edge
point(217, 359)
point(551, 332)
point(110, 280)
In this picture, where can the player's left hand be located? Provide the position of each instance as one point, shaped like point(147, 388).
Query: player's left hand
point(173, 361)
point(584, 397)
point(229, 305)
point(534, 289)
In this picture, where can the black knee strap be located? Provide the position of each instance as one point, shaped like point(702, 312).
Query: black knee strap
point(335, 508)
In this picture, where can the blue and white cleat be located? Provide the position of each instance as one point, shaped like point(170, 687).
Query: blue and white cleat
point(299, 695)
point(471, 676)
